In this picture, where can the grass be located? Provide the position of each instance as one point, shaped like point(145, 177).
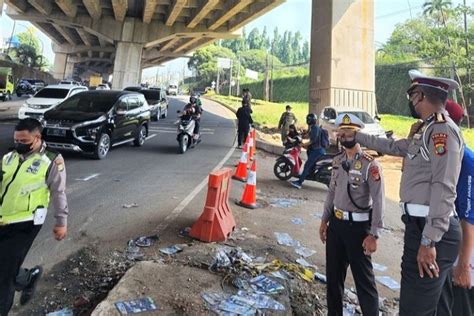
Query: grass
point(267, 114)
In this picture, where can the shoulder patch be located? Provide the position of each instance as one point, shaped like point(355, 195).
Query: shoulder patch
point(375, 172)
point(439, 118)
point(439, 142)
point(59, 162)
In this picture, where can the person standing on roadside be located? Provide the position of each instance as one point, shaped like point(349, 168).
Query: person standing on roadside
point(247, 97)
point(31, 174)
point(287, 118)
point(244, 118)
point(351, 222)
point(431, 166)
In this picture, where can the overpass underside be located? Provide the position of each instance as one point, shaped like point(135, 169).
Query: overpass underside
point(121, 37)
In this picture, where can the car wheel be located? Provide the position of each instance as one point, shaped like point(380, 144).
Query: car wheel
point(141, 137)
point(103, 147)
point(18, 95)
point(165, 113)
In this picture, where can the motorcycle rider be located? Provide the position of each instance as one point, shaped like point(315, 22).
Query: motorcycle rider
point(293, 138)
point(314, 148)
point(197, 106)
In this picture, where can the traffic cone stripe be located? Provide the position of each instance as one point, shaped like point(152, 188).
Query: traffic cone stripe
point(243, 157)
point(249, 197)
point(252, 179)
point(241, 170)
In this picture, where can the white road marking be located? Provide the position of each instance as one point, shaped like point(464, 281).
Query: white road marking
point(174, 132)
point(92, 176)
point(181, 206)
point(175, 128)
point(151, 136)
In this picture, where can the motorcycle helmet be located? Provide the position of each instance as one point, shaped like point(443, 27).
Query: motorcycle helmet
point(311, 119)
point(192, 99)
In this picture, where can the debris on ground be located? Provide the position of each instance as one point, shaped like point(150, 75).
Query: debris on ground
point(286, 240)
point(388, 282)
point(318, 215)
point(135, 306)
point(297, 221)
point(62, 312)
point(305, 252)
point(285, 203)
point(133, 252)
point(264, 285)
point(320, 277)
point(145, 241)
point(379, 267)
point(184, 232)
point(130, 205)
point(305, 263)
point(171, 250)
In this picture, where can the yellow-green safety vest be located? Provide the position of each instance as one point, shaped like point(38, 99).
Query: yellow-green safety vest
point(24, 187)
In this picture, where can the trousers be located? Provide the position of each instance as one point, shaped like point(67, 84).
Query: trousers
point(15, 242)
point(344, 248)
point(243, 132)
point(313, 155)
point(425, 296)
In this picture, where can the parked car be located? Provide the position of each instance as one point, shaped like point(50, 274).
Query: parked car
point(156, 99)
point(103, 86)
point(172, 90)
point(29, 86)
point(46, 99)
point(70, 82)
point(93, 122)
point(329, 114)
point(6, 83)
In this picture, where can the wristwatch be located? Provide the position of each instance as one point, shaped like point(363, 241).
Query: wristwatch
point(375, 236)
point(425, 241)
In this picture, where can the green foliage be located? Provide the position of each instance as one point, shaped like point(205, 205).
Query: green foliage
point(256, 60)
point(286, 89)
point(204, 61)
point(28, 53)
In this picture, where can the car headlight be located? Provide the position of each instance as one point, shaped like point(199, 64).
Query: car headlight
point(92, 132)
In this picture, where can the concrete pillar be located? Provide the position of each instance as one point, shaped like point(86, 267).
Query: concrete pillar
point(342, 67)
point(69, 71)
point(59, 66)
point(127, 65)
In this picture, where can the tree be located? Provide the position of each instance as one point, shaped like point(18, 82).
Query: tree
point(28, 52)
point(437, 8)
point(204, 61)
point(255, 40)
point(256, 59)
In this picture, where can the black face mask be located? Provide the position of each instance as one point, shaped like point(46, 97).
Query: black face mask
point(413, 111)
point(349, 144)
point(23, 148)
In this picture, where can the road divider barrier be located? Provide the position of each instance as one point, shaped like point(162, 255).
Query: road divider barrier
point(241, 170)
point(249, 197)
point(216, 222)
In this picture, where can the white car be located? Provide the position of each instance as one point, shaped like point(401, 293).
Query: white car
point(46, 99)
point(69, 82)
point(329, 114)
point(172, 90)
point(103, 86)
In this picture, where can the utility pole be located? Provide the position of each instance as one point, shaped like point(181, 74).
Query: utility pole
point(266, 91)
point(11, 37)
point(272, 82)
point(238, 79)
point(217, 81)
point(230, 77)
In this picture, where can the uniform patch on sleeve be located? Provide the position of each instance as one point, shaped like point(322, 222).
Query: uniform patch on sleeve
point(59, 162)
point(439, 141)
point(375, 173)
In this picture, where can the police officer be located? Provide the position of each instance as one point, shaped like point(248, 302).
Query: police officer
point(287, 118)
point(351, 222)
point(431, 166)
point(314, 148)
point(30, 175)
point(244, 119)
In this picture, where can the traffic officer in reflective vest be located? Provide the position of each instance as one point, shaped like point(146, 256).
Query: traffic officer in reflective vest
point(431, 165)
point(31, 174)
point(351, 222)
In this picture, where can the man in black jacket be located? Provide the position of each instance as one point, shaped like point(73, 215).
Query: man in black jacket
point(244, 117)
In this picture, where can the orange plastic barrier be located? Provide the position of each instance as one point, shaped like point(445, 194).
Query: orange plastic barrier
point(241, 171)
point(249, 197)
point(216, 222)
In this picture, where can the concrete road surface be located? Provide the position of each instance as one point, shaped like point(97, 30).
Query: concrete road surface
point(155, 177)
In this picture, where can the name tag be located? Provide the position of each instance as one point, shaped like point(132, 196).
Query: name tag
point(40, 216)
point(355, 172)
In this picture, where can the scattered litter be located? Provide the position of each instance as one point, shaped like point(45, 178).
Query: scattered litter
point(305, 263)
point(259, 260)
point(171, 250)
point(305, 252)
point(241, 283)
point(145, 241)
point(286, 240)
point(281, 274)
point(262, 301)
point(284, 203)
point(297, 221)
point(63, 312)
point(349, 310)
point(244, 229)
point(130, 205)
point(213, 299)
point(388, 282)
point(221, 261)
point(379, 267)
point(133, 251)
point(317, 215)
point(321, 277)
point(263, 285)
point(351, 295)
point(135, 306)
point(184, 232)
point(237, 305)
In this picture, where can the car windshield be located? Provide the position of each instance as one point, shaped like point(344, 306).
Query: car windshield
point(52, 93)
point(151, 96)
point(173, 86)
point(88, 103)
point(363, 116)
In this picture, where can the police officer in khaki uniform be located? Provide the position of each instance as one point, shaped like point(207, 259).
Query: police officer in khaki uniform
point(431, 166)
point(351, 222)
point(287, 118)
point(30, 175)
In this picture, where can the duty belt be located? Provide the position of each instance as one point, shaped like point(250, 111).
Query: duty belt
point(417, 210)
point(351, 216)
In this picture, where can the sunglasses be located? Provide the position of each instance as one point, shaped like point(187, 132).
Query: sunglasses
point(411, 94)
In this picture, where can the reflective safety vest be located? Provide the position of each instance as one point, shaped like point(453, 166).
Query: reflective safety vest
point(24, 187)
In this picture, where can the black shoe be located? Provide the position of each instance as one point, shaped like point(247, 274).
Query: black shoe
point(29, 291)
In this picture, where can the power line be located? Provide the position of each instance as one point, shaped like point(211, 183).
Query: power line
point(397, 12)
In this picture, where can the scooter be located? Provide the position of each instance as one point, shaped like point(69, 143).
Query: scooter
point(24, 87)
point(289, 165)
point(185, 138)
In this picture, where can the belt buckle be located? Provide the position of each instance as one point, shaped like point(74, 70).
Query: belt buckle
point(339, 214)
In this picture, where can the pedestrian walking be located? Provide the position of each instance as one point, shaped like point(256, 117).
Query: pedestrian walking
point(314, 148)
point(287, 118)
point(244, 118)
point(351, 222)
point(31, 174)
point(431, 165)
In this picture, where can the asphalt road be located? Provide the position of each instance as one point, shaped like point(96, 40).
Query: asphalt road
point(155, 177)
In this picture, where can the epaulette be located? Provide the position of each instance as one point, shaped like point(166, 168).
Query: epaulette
point(51, 153)
point(367, 156)
point(439, 118)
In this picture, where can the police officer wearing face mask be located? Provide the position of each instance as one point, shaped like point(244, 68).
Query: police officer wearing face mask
point(30, 175)
point(431, 166)
point(351, 222)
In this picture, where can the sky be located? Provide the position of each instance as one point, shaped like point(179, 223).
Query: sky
point(294, 15)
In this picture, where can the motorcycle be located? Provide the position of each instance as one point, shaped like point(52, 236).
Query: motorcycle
point(24, 87)
point(289, 165)
point(185, 138)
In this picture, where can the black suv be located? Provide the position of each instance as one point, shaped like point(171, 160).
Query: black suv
point(156, 99)
point(94, 121)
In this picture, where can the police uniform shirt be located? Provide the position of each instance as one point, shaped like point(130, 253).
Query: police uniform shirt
point(431, 165)
point(56, 182)
point(366, 187)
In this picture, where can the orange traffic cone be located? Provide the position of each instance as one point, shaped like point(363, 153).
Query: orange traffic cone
point(247, 140)
point(241, 171)
point(251, 143)
point(249, 198)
